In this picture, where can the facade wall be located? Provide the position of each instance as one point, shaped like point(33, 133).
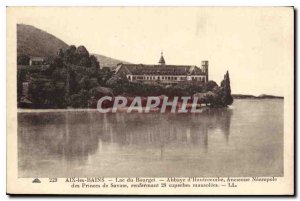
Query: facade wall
point(36, 62)
point(166, 79)
point(164, 74)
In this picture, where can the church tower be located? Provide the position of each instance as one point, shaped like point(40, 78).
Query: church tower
point(162, 60)
point(205, 69)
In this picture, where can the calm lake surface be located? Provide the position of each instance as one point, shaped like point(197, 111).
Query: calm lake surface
point(243, 140)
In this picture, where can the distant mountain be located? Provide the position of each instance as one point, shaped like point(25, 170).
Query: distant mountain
point(107, 61)
point(32, 41)
point(263, 96)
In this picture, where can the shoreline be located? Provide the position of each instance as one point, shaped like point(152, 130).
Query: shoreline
point(25, 110)
point(119, 110)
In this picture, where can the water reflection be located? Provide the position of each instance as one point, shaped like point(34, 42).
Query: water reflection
point(217, 142)
point(73, 136)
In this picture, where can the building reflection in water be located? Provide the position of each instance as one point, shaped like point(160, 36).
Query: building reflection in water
point(74, 136)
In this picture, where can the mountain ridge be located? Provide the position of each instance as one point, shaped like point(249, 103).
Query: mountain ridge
point(262, 96)
point(32, 41)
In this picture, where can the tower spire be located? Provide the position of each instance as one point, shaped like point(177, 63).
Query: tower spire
point(162, 60)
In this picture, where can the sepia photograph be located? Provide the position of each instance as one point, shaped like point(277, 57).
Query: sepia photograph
point(171, 100)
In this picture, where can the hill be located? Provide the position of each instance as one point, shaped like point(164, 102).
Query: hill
point(262, 96)
point(32, 41)
point(108, 61)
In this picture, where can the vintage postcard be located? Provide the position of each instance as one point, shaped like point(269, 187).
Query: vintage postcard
point(150, 100)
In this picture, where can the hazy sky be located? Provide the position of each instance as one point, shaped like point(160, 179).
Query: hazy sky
point(255, 45)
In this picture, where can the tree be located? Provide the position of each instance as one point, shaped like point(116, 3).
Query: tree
point(78, 56)
point(99, 92)
point(69, 54)
point(59, 75)
point(20, 79)
point(104, 75)
point(61, 53)
point(226, 90)
point(82, 51)
point(210, 85)
point(84, 61)
point(55, 62)
point(94, 62)
point(79, 100)
point(44, 93)
point(87, 83)
point(23, 60)
point(177, 90)
point(73, 84)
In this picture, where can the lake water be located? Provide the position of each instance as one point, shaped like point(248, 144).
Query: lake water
point(243, 140)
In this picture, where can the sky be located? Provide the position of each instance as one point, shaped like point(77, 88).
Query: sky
point(254, 44)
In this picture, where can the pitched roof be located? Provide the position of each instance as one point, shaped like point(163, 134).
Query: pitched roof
point(141, 69)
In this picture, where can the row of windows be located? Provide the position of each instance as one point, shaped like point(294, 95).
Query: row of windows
point(198, 79)
point(165, 78)
point(37, 62)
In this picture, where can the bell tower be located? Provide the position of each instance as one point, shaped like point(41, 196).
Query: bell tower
point(162, 60)
point(204, 65)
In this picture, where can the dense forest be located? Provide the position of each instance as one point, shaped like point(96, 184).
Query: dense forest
point(73, 79)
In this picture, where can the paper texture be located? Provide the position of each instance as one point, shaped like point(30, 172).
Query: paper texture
point(55, 145)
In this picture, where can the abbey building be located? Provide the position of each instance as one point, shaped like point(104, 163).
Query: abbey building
point(163, 73)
